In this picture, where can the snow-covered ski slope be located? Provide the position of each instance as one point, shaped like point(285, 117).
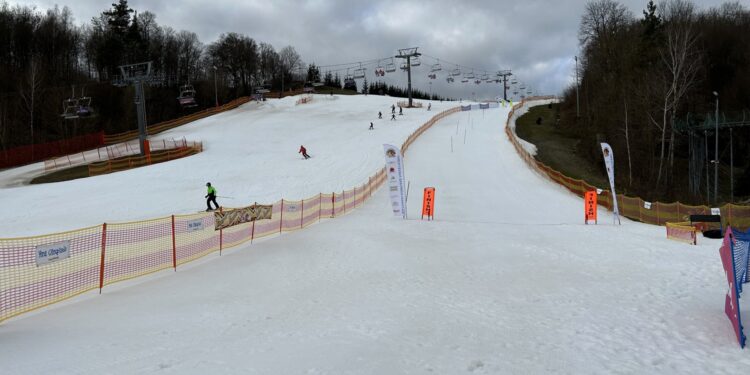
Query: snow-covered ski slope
point(506, 280)
point(250, 155)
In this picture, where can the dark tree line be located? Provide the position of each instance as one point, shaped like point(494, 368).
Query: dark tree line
point(45, 59)
point(642, 77)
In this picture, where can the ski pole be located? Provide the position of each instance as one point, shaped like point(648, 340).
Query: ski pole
point(221, 196)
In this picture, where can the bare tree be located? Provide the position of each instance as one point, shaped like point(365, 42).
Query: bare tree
point(289, 60)
point(680, 56)
point(28, 91)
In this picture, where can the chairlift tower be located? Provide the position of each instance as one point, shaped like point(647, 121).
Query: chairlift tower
point(408, 54)
point(137, 75)
point(505, 74)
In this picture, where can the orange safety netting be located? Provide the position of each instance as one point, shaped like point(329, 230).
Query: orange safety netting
point(114, 252)
point(631, 207)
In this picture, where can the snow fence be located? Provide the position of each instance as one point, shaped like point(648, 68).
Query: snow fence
point(42, 270)
point(635, 208)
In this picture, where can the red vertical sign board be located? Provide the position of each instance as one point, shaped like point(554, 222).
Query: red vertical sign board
point(428, 203)
point(589, 212)
point(731, 303)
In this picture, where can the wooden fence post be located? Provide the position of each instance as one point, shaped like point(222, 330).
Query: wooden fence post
point(281, 218)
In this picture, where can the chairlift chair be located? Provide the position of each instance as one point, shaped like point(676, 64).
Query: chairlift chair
point(187, 97)
point(84, 107)
point(416, 61)
point(379, 70)
point(469, 75)
point(449, 79)
point(404, 66)
point(485, 77)
point(514, 81)
point(432, 76)
point(390, 67)
point(464, 80)
point(478, 81)
point(70, 109)
point(436, 67)
point(456, 72)
point(359, 72)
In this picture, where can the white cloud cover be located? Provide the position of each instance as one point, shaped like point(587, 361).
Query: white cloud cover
point(537, 39)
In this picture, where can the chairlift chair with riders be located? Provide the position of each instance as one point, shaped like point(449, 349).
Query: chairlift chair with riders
point(404, 66)
point(432, 76)
point(379, 70)
point(84, 107)
point(449, 79)
point(187, 96)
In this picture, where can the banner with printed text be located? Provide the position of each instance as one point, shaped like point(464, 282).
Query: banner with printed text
point(228, 218)
point(394, 168)
point(609, 163)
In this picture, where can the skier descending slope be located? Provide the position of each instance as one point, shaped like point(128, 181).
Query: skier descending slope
point(303, 151)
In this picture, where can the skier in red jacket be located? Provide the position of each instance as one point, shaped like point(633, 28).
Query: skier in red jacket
point(303, 151)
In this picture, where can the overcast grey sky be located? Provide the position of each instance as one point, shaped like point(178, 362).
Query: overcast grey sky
point(536, 39)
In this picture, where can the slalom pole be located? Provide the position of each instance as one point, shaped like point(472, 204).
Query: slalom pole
point(451, 143)
point(464, 136)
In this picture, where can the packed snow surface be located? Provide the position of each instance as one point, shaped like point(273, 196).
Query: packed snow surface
point(506, 280)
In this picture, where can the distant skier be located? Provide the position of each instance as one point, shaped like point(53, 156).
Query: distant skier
point(393, 116)
point(380, 115)
point(211, 197)
point(303, 151)
point(371, 126)
point(429, 106)
point(400, 110)
point(393, 108)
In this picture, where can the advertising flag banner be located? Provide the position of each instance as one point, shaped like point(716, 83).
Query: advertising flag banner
point(731, 302)
point(609, 163)
point(590, 206)
point(228, 218)
point(394, 168)
point(428, 203)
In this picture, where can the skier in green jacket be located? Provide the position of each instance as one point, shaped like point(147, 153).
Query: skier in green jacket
point(211, 197)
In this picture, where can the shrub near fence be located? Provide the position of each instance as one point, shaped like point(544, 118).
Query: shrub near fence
point(113, 252)
point(631, 207)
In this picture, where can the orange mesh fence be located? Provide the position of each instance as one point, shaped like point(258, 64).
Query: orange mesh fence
point(195, 237)
point(312, 210)
point(170, 124)
point(268, 227)
point(632, 207)
point(114, 252)
point(683, 232)
point(291, 215)
point(110, 166)
point(137, 248)
point(26, 285)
